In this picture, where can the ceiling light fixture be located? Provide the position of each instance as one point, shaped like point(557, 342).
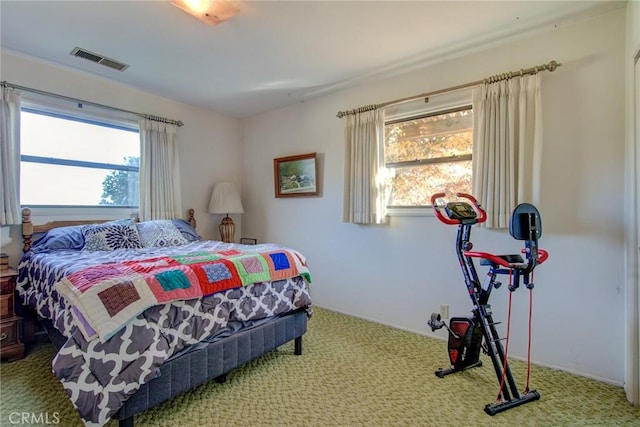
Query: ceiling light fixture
point(212, 12)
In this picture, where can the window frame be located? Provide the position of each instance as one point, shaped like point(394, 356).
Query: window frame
point(64, 109)
point(442, 104)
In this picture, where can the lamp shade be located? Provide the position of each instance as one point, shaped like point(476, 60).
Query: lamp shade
point(225, 199)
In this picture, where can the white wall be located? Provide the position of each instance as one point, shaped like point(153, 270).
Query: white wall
point(209, 142)
point(398, 274)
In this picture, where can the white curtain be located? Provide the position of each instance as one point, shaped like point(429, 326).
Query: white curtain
point(10, 156)
point(364, 172)
point(507, 146)
point(159, 171)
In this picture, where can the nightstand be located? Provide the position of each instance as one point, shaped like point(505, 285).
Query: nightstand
point(11, 347)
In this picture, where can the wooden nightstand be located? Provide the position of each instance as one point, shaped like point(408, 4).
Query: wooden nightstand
point(11, 347)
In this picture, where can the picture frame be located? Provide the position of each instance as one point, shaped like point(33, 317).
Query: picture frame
point(296, 176)
point(248, 241)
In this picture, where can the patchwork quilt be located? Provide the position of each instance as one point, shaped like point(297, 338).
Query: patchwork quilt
point(100, 367)
point(105, 297)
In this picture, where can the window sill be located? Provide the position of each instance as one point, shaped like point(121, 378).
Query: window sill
point(42, 214)
point(411, 211)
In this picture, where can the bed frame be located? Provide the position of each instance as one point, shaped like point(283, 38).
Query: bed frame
point(214, 361)
point(190, 369)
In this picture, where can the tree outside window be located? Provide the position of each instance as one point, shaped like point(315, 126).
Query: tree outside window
point(429, 154)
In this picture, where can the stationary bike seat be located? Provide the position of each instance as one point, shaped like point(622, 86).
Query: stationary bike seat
point(511, 259)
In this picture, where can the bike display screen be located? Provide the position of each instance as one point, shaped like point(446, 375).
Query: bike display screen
point(460, 211)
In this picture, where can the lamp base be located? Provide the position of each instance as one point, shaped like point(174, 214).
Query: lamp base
point(227, 229)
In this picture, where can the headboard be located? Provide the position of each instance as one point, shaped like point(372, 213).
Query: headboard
point(28, 229)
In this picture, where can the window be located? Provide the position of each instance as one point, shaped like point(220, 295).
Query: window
point(74, 161)
point(428, 152)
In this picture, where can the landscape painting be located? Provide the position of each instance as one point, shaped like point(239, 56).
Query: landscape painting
point(295, 176)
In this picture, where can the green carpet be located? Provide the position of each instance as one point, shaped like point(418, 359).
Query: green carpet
point(352, 373)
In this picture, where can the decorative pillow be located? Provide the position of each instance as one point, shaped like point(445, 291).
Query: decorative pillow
point(60, 238)
point(160, 233)
point(188, 232)
point(109, 236)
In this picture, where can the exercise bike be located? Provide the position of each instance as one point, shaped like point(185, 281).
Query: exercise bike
point(469, 335)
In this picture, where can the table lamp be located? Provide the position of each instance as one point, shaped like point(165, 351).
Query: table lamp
point(225, 200)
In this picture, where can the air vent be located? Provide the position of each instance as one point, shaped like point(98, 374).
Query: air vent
point(97, 58)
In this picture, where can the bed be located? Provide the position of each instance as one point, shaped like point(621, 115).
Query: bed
point(143, 311)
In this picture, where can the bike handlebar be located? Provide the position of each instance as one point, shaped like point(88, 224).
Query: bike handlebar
point(542, 255)
point(445, 218)
point(437, 211)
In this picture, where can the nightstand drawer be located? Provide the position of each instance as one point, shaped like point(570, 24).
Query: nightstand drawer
point(6, 305)
point(9, 333)
point(7, 285)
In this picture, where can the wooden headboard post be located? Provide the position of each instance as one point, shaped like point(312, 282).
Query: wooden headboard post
point(192, 218)
point(27, 229)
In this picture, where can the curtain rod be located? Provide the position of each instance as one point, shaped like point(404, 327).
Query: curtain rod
point(551, 66)
point(94, 104)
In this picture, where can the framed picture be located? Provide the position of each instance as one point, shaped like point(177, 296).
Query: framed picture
point(296, 176)
point(248, 241)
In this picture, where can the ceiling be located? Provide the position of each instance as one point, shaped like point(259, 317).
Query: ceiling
point(274, 53)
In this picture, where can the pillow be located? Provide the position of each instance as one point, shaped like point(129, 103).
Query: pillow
point(69, 237)
point(188, 232)
point(109, 236)
point(160, 233)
